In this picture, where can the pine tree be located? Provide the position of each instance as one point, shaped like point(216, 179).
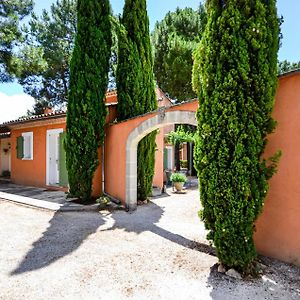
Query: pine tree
point(135, 83)
point(43, 59)
point(235, 76)
point(174, 40)
point(287, 66)
point(88, 83)
point(11, 13)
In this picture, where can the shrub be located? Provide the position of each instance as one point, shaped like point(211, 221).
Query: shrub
point(178, 177)
point(5, 173)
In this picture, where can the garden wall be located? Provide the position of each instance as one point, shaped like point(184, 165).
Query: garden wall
point(278, 228)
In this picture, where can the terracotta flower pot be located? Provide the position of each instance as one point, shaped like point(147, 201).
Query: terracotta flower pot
point(178, 186)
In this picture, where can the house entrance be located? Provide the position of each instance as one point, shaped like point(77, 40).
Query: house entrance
point(5, 157)
point(121, 180)
point(52, 177)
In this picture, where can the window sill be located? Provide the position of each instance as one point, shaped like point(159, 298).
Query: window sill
point(27, 158)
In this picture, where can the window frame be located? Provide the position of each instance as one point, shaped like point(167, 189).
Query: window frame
point(30, 135)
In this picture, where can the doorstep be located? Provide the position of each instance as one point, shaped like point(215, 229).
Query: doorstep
point(41, 204)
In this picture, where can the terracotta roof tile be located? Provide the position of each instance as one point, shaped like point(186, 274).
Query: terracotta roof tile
point(35, 117)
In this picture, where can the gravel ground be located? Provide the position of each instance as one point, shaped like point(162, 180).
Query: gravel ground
point(157, 252)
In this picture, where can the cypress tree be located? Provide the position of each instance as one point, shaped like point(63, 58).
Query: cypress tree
point(88, 83)
point(135, 83)
point(235, 76)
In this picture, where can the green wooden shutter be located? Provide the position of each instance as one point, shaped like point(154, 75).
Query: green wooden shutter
point(165, 158)
point(63, 174)
point(20, 147)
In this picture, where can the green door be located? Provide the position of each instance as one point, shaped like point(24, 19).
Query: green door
point(165, 158)
point(63, 174)
point(20, 146)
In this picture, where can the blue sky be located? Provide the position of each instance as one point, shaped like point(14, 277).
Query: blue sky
point(157, 10)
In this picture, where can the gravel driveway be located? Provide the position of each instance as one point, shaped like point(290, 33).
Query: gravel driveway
point(157, 252)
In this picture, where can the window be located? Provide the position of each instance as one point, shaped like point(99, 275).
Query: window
point(27, 145)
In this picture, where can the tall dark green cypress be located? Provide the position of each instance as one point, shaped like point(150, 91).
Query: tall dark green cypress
point(135, 83)
point(235, 77)
point(88, 83)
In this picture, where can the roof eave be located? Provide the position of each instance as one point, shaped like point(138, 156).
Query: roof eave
point(289, 73)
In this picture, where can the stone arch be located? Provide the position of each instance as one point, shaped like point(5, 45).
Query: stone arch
point(159, 120)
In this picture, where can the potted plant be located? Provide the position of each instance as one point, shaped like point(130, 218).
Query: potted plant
point(178, 180)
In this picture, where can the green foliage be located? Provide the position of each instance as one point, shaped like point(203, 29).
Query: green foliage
point(235, 77)
point(11, 13)
point(103, 201)
point(136, 93)
point(286, 66)
point(135, 83)
point(178, 177)
point(146, 164)
point(88, 82)
point(184, 163)
point(5, 174)
point(43, 61)
point(174, 40)
point(181, 136)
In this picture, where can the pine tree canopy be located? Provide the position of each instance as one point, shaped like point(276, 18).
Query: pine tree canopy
point(174, 40)
point(11, 13)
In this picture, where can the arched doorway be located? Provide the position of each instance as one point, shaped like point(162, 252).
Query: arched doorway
point(159, 120)
point(120, 148)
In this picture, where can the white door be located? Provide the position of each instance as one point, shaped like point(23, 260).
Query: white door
point(53, 156)
point(5, 159)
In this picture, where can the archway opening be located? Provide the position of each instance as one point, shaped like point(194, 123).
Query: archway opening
point(160, 120)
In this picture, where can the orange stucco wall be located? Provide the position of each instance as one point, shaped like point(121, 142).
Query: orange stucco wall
point(115, 156)
point(279, 225)
point(97, 180)
point(31, 172)
point(115, 151)
point(158, 179)
point(183, 152)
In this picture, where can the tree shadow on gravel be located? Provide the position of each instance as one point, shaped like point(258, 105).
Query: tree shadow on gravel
point(146, 217)
point(67, 231)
